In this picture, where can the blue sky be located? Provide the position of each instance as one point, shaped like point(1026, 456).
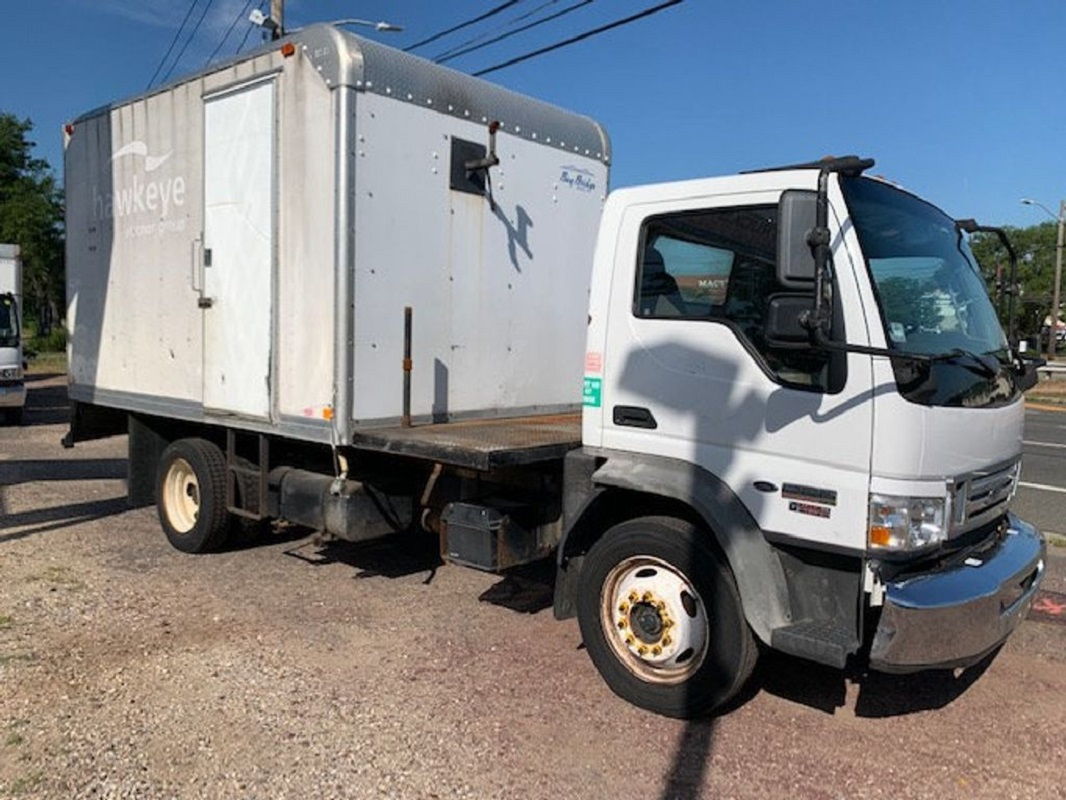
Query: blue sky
point(962, 102)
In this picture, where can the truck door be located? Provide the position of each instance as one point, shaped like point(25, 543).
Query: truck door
point(688, 373)
point(238, 249)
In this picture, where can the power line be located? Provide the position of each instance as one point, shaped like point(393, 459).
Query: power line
point(240, 15)
point(462, 52)
point(192, 35)
point(490, 31)
point(251, 28)
point(441, 34)
point(580, 37)
point(173, 41)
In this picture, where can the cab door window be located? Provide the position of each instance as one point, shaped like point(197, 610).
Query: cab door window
point(719, 265)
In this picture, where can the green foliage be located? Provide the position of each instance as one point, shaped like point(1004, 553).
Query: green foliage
point(31, 216)
point(54, 341)
point(1036, 271)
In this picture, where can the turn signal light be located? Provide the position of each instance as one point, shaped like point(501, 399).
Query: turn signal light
point(880, 535)
point(288, 49)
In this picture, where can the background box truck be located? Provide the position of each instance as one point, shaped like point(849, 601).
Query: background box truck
point(333, 283)
point(12, 384)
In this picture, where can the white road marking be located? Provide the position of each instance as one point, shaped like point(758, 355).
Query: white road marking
point(1043, 444)
point(1042, 487)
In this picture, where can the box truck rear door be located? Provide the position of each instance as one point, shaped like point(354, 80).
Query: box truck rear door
point(238, 249)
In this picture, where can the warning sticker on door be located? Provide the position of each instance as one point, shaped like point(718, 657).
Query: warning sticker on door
point(593, 392)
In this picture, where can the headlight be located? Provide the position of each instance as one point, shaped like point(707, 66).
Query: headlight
point(10, 373)
point(901, 524)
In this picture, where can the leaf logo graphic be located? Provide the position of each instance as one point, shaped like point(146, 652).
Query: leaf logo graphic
point(139, 148)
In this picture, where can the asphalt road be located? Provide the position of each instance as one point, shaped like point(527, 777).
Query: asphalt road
point(1042, 492)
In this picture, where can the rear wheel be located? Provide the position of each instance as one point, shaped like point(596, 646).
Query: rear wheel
point(191, 495)
point(662, 619)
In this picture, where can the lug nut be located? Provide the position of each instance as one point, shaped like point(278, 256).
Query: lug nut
point(629, 640)
point(642, 650)
point(647, 597)
point(656, 650)
point(633, 596)
point(666, 641)
point(623, 608)
point(621, 624)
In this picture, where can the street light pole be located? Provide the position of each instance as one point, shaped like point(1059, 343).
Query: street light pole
point(277, 13)
point(1058, 282)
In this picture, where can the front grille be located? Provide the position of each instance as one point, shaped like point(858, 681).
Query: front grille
point(983, 495)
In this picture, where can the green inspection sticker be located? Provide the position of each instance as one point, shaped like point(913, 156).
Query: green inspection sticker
point(593, 393)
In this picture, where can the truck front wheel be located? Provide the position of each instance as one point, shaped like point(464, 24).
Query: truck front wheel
point(662, 619)
point(191, 495)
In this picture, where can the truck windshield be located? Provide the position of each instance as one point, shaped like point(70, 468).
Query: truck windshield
point(9, 321)
point(932, 297)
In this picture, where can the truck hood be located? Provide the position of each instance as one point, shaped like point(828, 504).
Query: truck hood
point(916, 442)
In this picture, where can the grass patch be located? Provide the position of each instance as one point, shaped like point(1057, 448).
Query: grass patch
point(1055, 539)
point(59, 576)
point(15, 658)
point(25, 784)
point(44, 363)
point(6, 621)
point(14, 739)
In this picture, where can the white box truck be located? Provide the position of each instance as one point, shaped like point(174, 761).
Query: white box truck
point(12, 380)
point(335, 284)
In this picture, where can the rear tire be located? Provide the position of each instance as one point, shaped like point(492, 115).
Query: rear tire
point(662, 619)
point(191, 495)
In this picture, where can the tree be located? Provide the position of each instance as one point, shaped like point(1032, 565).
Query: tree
point(1036, 271)
point(31, 216)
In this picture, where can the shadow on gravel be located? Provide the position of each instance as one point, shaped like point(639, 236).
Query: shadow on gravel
point(56, 517)
point(87, 469)
point(46, 405)
point(528, 589)
point(389, 557)
point(684, 779)
point(880, 695)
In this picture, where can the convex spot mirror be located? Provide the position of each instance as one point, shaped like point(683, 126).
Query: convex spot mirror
point(784, 320)
point(796, 215)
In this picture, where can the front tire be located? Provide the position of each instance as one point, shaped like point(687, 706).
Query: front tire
point(191, 495)
point(662, 619)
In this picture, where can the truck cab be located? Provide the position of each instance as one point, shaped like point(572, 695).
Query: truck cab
point(12, 386)
point(835, 494)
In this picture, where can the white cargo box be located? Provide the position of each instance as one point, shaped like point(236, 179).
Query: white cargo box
point(241, 244)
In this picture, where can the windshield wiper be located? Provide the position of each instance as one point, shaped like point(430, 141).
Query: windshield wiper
point(975, 364)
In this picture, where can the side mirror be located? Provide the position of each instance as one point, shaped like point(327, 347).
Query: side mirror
point(783, 326)
point(796, 217)
point(1028, 378)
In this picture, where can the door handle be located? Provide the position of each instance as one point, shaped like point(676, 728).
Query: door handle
point(205, 302)
point(634, 417)
point(197, 266)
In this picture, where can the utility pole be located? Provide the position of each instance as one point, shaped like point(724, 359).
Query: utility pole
point(1056, 289)
point(277, 13)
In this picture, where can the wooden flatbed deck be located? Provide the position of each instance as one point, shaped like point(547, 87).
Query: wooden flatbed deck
point(482, 444)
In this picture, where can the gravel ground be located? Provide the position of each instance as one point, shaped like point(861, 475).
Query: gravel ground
point(128, 669)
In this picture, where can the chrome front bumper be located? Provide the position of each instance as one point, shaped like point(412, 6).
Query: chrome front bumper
point(12, 395)
point(954, 617)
